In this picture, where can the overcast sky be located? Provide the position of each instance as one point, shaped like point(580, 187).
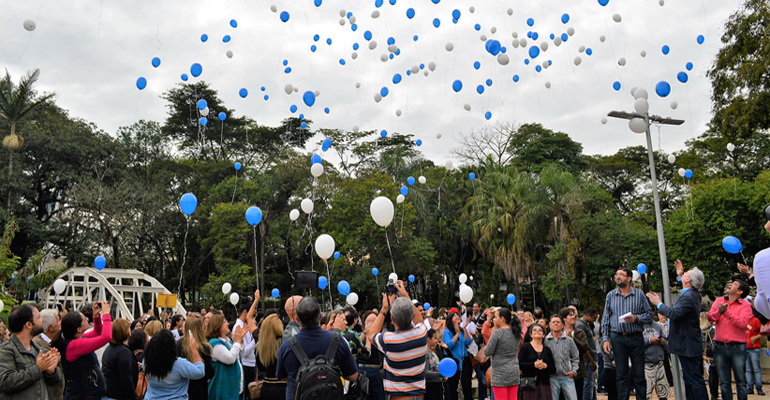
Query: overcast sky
point(91, 54)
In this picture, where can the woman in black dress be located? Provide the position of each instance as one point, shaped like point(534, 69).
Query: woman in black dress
point(536, 360)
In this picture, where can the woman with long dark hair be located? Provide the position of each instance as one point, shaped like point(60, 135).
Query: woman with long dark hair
point(198, 388)
point(83, 378)
point(455, 339)
point(168, 376)
point(536, 362)
point(119, 364)
point(503, 349)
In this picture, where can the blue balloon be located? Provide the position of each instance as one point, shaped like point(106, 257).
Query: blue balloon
point(313, 48)
point(266, 97)
point(477, 27)
point(688, 66)
point(316, 159)
point(404, 190)
point(384, 91)
point(204, 38)
point(355, 46)
point(530, 21)
point(538, 68)
point(415, 38)
point(188, 203)
point(426, 306)
point(435, 1)
point(336, 255)
point(285, 62)
point(384, 133)
point(243, 93)
point(284, 16)
point(564, 37)
point(534, 51)
point(472, 175)
point(411, 278)
point(408, 72)
point(222, 116)
point(688, 174)
point(375, 271)
point(276, 293)
point(682, 77)
point(564, 18)
point(515, 78)
point(322, 282)
point(436, 22)
point(447, 367)
point(316, 38)
point(203, 121)
point(480, 89)
point(456, 14)
point(309, 98)
point(185, 77)
point(353, 27)
point(410, 13)
point(493, 46)
point(253, 215)
point(237, 166)
point(641, 268)
point(503, 49)
point(488, 115)
point(141, 83)
point(378, 3)
point(100, 262)
point(343, 287)
point(663, 89)
point(589, 51)
point(603, 2)
point(489, 82)
point(511, 298)
point(368, 35)
point(317, 3)
point(410, 180)
point(700, 39)
point(303, 125)
point(233, 23)
point(302, 116)
point(349, 14)
point(329, 41)
point(327, 110)
point(732, 245)
point(156, 62)
point(293, 108)
point(534, 36)
point(418, 142)
point(327, 143)
point(616, 86)
point(202, 104)
point(287, 70)
point(665, 49)
point(196, 70)
point(226, 38)
point(526, 61)
point(342, 61)
point(476, 65)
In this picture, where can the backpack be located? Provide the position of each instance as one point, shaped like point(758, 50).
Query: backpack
point(141, 383)
point(319, 378)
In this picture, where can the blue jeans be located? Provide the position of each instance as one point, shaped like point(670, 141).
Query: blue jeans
point(600, 371)
point(623, 348)
point(589, 392)
point(694, 385)
point(376, 389)
point(753, 370)
point(482, 378)
point(731, 357)
point(563, 385)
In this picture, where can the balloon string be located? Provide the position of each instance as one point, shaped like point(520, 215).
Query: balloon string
point(184, 257)
point(403, 211)
point(256, 262)
point(288, 238)
point(392, 263)
point(328, 286)
point(235, 187)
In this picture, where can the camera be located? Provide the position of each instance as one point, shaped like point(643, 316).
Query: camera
point(390, 287)
point(88, 311)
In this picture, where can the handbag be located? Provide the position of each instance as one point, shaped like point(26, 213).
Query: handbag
point(255, 389)
point(527, 383)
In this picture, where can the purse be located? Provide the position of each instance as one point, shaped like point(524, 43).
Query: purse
point(527, 383)
point(255, 389)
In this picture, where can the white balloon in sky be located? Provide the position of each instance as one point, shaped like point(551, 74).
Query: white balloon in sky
point(400, 198)
point(661, 2)
point(415, 69)
point(375, 14)
point(229, 54)
point(273, 8)
point(377, 97)
point(358, 85)
point(617, 18)
point(226, 288)
point(472, 9)
point(372, 44)
point(342, 21)
point(204, 112)
point(294, 214)
point(730, 147)
point(288, 88)
point(581, 49)
point(643, 53)
point(515, 34)
point(674, 105)
point(324, 246)
point(307, 206)
point(392, 48)
point(381, 210)
point(463, 278)
point(557, 41)
point(352, 19)
point(544, 46)
point(467, 107)
point(29, 25)
point(640, 94)
point(545, 64)
point(681, 172)
point(354, 55)
point(483, 38)
point(342, 12)
point(466, 294)
point(523, 42)
point(515, 43)
point(448, 164)
point(548, 85)
point(296, 89)
point(641, 106)
point(493, 30)
point(622, 61)
point(602, 38)
point(503, 59)
point(637, 125)
point(355, 129)
point(577, 60)
point(449, 46)
point(671, 158)
point(421, 179)
point(570, 31)
point(384, 58)
point(234, 298)
point(438, 136)
point(317, 169)
point(633, 89)
point(425, 72)
point(352, 298)
point(432, 66)
point(58, 287)
point(604, 120)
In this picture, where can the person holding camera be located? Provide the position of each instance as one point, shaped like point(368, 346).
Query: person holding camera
point(457, 338)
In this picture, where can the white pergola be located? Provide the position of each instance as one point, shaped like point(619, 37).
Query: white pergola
point(131, 293)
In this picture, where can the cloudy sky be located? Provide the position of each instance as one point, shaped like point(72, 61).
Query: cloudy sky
point(92, 53)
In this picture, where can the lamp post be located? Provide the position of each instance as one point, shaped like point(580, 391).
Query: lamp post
point(648, 119)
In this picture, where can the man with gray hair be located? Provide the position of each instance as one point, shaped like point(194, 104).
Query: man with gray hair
point(51, 325)
point(684, 337)
point(404, 349)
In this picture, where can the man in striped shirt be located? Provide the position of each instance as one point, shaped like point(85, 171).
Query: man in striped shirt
point(626, 311)
point(404, 349)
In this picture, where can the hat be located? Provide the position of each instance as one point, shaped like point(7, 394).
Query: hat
point(453, 310)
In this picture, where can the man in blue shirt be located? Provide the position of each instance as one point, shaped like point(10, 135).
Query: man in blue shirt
point(314, 341)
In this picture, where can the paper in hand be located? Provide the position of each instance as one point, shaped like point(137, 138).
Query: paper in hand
point(622, 318)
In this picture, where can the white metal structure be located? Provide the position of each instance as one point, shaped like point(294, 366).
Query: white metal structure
point(131, 293)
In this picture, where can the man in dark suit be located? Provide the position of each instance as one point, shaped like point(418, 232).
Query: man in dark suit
point(684, 337)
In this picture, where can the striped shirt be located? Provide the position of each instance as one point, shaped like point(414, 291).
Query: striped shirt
point(404, 360)
point(616, 305)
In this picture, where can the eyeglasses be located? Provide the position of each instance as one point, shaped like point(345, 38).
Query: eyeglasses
point(621, 275)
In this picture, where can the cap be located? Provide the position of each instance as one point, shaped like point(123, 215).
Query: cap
point(452, 310)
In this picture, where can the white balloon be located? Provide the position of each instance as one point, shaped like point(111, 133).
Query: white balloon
point(229, 54)
point(352, 299)
point(463, 278)
point(438, 136)
point(643, 53)
point(375, 14)
point(448, 164)
point(633, 89)
point(616, 18)
point(503, 59)
point(432, 66)
point(493, 29)
point(523, 42)
point(342, 21)
point(671, 158)
point(398, 113)
point(392, 48)
point(354, 55)
point(510, 11)
point(466, 294)
point(604, 120)
point(515, 43)
point(577, 60)
point(682, 172)
point(343, 12)
point(544, 46)
point(557, 41)
point(415, 69)
point(570, 31)
point(601, 38)
point(273, 8)
point(204, 112)
point(640, 94)
point(356, 129)
point(581, 49)
point(317, 170)
point(294, 214)
point(1, 305)
point(324, 246)
point(637, 125)
point(730, 147)
point(400, 199)
point(358, 85)
point(467, 107)
point(661, 2)
point(226, 288)
point(29, 25)
point(514, 33)
point(307, 206)
point(393, 277)
point(384, 58)
point(372, 44)
point(377, 97)
point(58, 287)
point(636, 276)
point(425, 72)
point(641, 106)
point(422, 179)
point(234, 298)
point(622, 61)
point(674, 105)
point(382, 211)
point(449, 46)
point(545, 64)
point(483, 38)
point(491, 296)
point(352, 19)
point(472, 9)
point(296, 89)
point(548, 85)
point(288, 88)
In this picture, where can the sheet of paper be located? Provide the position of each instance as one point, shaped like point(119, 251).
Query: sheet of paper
point(622, 318)
point(473, 349)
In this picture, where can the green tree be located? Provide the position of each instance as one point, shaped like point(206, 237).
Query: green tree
point(534, 146)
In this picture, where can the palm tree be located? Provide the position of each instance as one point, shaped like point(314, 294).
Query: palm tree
point(16, 101)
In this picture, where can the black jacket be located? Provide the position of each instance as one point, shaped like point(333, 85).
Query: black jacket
point(684, 334)
point(120, 371)
point(527, 358)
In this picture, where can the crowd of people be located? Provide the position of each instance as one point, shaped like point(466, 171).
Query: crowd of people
point(400, 351)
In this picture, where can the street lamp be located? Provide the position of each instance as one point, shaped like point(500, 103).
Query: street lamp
point(649, 119)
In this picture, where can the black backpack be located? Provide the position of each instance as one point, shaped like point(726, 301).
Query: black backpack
point(319, 378)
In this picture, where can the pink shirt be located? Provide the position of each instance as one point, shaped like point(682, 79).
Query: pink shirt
point(91, 340)
point(731, 326)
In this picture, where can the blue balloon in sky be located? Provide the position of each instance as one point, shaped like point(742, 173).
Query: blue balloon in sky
point(317, 3)
point(472, 176)
point(326, 144)
point(384, 133)
point(665, 49)
point(418, 142)
point(397, 79)
point(411, 278)
point(515, 78)
point(322, 282)
point(284, 16)
point(488, 82)
point(203, 121)
point(688, 66)
point(313, 48)
point(480, 89)
point(603, 2)
point(641, 268)
point(447, 367)
point(378, 3)
point(511, 298)
point(253, 215)
point(316, 38)
point(426, 306)
point(204, 38)
point(384, 91)
point(732, 245)
point(222, 116)
point(185, 77)
point(226, 38)
point(303, 125)
point(309, 98)
point(410, 180)
point(700, 39)
point(343, 287)
point(616, 86)
point(375, 271)
point(233, 23)
point(530, 21)
point(237, 166)
point(663, 89)
point(565, 18)
point(410, 13)
point(589, 51)
point(315, 159)
point(243, 93)
point(327, 110)
point(336, 255)
point(564, 37)
point(276, 293)
point(682, 77)
point(488, 115)
point(100, 262)
point(534, 51)
point(477, 27)
point(156, 62)
point(456, 14)
point(476, 65)
point(141, 83)
point(202, 104)
point(436, 22)
point(404, 190)
point(368, 35)
point(342, 61)
point(293, 108)
point(688, 174)
point(196, 70)
point(188, 203)
point(493, 46)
